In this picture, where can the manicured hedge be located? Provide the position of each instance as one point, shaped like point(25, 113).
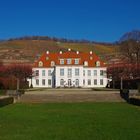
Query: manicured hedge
point(6, 101)
point(134, 101)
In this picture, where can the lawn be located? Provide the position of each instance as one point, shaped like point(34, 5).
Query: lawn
point(70, 121)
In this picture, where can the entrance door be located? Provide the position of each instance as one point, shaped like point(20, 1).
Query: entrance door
point(69, 82)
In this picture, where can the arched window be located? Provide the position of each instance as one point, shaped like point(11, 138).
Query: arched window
point(97, 63)
point(85, 63)
point(52, 63)
point(40, 64)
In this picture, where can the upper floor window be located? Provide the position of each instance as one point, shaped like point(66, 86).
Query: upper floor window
point(95, 72)
point(43, 72)
point(101, 72)
point(61, 72)
point(83, 72)
point(37, 73)
point(40, 63)
point(69, 61)
point(49, 73)
point(61, 61)
point(76, 72)
point(52, 63)
point(76, 61)
point(69, 72)
point(97, 63)
point(89, 72)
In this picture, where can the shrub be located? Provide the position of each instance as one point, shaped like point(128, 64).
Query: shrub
point(6, 101)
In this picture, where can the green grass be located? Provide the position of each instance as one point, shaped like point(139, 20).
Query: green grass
point(2, 92)
point(70, 121)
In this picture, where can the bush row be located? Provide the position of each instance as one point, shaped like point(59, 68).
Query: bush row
point(6, 101)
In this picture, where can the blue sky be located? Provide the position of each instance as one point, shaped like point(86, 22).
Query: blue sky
point(97, 20)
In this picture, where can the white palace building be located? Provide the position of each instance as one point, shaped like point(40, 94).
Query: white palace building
point(69, 69)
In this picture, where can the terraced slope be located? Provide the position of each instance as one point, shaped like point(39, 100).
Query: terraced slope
point(29, 50)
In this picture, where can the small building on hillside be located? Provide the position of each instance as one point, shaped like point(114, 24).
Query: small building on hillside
point(69, 69)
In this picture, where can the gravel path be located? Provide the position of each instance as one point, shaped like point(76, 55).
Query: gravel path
point(47, 96)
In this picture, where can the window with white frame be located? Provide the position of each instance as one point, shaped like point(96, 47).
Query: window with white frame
point(61, 72)
point(97, 63)
point(40, 63)
point(76, 72)
point(89, 81)
point(95, 81)
point(37, 82)
point(101, 82)
point(89, 72)
point(62, 82)
point(85, 63)
point(52, 63)
point(37, 73)
point(43, 72)
point(69, 61)
point(101, 72)
point(83, 72)
point(69, 72)
point(76, 61)
point(95, 72)
point(49, 82)
point(77, 82)
point(84, 82)
point(61, 61)
point(49, 73)
point(43, 82)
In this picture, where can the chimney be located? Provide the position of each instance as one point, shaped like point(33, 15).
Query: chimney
point(47, 52)
point(90, 52)
point(69, 49)
point(60, 52)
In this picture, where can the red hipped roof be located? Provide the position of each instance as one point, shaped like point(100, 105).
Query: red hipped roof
point(90, 57)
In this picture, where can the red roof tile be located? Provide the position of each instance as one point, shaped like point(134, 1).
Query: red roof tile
point(91, 58)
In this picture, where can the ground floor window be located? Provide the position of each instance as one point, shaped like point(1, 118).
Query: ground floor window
point(62, 82)
point(89, 82)
point(95, 81)
point(43, 82)
point(37, 81)
point(101, 82)
point(49, 82)
point(77, 82)
point(83, 82)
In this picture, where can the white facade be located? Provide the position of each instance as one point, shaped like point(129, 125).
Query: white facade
point(69, 76)
point(70, 69)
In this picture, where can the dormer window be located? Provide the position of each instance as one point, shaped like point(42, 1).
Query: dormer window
point(68, 61)
point(91, 57)
point(97, 63)
point(40, 64)
point(47, 58)
point(76, 61)
point(62, 61)
point(85, 63)
point(52, 63)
